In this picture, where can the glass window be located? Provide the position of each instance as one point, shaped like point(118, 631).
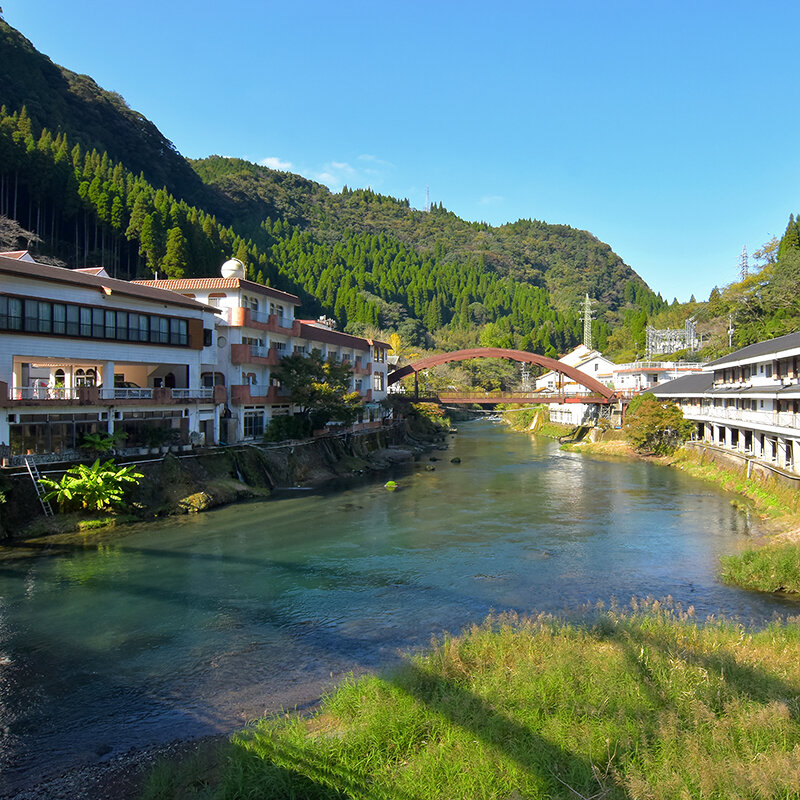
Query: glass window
point(143, 328)
point(59, 318)
point(73, 321)
point(111, 325)
point(4, 313)
point(178, 331)
point(122, 325)
point(98, 323)
point(86, 321)
point(32, 315)
point(45, 317)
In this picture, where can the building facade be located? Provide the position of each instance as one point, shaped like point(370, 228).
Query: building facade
point(747, 402)
point(85, 353)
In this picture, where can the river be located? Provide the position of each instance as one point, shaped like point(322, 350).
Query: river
point(194, 625)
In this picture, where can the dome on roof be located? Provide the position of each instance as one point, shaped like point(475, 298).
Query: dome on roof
point(232, 268)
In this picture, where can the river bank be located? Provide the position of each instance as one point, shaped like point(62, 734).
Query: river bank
point(183, 484)
point(771, 560)
point(644, 703)
point(194, 624)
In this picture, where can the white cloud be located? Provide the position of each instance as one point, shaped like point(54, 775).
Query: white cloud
point(368, 171)
point(273, 162)
point(491, 199)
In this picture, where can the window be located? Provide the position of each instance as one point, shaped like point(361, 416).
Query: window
point(377, 381)
point(45, 317)
point(207, 337)
point(98, 323)
point(59, 318)
point(86, 321)
point(178, 331)
point(32, 316)
point(73, 321)
point(111, 325)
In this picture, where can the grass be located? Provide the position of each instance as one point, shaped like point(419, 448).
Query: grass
point(643, 704)
point(772, 568)
point(768, 499)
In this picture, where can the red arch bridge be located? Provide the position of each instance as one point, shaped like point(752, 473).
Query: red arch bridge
point(597, 392)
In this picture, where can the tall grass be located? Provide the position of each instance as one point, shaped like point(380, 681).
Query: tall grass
point(644, 704)
point(772, 568)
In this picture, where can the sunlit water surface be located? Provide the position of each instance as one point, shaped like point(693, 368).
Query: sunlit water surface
point(194, 625)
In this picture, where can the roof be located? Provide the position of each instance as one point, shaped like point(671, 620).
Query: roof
point(696, 383)
point(45, 272)
point(92, 270)
point(790, 341)
point(18, 255)
point(311, 329)
point(189, 284)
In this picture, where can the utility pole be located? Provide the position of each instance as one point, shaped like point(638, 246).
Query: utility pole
point(730, 330)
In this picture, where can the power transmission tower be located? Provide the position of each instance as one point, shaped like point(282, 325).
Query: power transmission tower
point(427, 199)
point(744, 269)
point(587, 321)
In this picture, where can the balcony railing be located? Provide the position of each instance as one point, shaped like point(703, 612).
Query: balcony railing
point(43, 393)
point(201, 393)
point(258, 351)
point(259, 316)
point(780, 419)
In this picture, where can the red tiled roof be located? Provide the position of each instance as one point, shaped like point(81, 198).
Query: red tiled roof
point(91, 270)
point(15, 254)
point(28, 269)
point(309, 329)
point(189, 284)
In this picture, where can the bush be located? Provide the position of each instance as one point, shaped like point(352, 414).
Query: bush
point(653, 426)
point(287, 427)
point(98, 487)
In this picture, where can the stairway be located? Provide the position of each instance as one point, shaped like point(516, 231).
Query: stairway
point(33, 471)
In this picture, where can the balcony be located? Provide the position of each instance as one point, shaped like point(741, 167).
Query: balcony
point(254, 354)
point(98, 395)
point(243, 394)
point(756, 419)
point(360, 368)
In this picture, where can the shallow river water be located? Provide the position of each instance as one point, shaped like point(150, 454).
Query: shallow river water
point(196, 624)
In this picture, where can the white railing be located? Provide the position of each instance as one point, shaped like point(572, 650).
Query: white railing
point(42, 393)
point(200, 393)
point(259, 316)
point(284, 322)
point(126, 393)
point(780, 419)
point(676, 365)
point(258, 351)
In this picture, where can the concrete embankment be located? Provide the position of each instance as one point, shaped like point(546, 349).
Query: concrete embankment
point(187, 483)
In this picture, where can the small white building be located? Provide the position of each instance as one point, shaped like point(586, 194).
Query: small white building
point(591, 363)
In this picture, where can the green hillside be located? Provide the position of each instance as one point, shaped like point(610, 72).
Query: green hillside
point(97, 183)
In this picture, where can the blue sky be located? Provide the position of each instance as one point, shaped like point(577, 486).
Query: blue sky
point(667, 129)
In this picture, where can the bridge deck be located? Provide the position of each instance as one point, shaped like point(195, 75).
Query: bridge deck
point(483, 398)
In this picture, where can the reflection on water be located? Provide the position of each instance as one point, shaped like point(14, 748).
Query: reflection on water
point(197, 624)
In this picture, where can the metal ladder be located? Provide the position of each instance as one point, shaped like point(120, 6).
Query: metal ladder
point(33, 471)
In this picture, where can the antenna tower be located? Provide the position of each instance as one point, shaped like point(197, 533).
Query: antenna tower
point(587, 321)
point(427, 199)
point(744, 268)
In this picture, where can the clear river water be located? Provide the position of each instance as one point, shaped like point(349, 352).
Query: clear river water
point(194, 625)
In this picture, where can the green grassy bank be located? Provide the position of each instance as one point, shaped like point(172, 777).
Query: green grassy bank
point(647, 704)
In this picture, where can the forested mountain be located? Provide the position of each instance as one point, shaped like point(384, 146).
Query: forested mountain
point(61, 100)
point(98, 184)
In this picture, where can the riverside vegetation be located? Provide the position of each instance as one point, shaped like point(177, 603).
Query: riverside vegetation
point(645, 704)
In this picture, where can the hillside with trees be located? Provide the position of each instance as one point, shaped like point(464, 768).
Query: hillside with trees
point(90, 181)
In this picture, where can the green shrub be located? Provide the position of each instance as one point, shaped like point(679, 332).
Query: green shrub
point(287, 427)
point(96, 487)
point(654, 426)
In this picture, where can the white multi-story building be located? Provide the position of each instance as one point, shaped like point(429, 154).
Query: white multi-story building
point(81, 352)
point(639, 376)
point(255, 329)
point(747, 401)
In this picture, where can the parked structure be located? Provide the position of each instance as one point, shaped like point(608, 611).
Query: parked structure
point(747, 402)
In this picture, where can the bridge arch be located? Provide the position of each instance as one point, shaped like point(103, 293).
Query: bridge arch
point(513, 355)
